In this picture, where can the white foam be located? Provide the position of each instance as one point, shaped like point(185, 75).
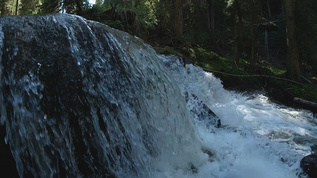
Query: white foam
point(258, 138)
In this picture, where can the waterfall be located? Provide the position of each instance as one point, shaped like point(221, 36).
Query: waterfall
point(83, 99)
point(80, 99)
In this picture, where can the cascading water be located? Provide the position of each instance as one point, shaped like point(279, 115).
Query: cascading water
point(257, 138)
point(80, 99)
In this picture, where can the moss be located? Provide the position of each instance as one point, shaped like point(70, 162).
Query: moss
point(202, 54)
point(307, 92)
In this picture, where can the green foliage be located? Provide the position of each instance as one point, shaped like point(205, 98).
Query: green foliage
point(146, 13)
point(114, 24)
point(96, 13)
point(276, 71)
point(50, 6)
point(203, 54)
point(9, 7)
point(69, 6)
point(29, 7)
point(306, 92)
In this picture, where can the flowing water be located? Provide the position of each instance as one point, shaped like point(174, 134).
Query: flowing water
point(78, 98)
point(258, 138)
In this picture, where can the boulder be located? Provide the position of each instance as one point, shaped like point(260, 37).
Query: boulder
point(309, 165)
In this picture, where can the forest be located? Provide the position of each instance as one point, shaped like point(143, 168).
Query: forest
point(249, 44)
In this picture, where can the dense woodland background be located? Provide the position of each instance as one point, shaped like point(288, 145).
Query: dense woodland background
point(236, 37)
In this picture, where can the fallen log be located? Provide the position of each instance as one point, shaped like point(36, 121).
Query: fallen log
point(306, 104)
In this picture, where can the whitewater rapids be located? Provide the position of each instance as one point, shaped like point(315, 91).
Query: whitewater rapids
point(258, 138)
point(80, 99)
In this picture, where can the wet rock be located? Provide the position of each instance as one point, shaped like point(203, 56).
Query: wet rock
point(194, 169)
point(80, 99)
point(43, 89)
point(202, 112)
point(314, 148)
point(7, 163)
point(209, 153)
point(309, 165)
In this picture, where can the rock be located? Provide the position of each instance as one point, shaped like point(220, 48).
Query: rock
point(202, 112)
point(210, 154)
point(42, 74)
point(309, 165)
point(7, 163)
point(194, 169)
point(80, 99)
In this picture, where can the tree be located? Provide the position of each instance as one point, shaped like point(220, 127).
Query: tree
point(49, 6)
point(70, 6)
point(292, 64)
point(9, 7)
point(211, 20)
point(234, 8)
point(179, 23)
point(17, 7)
point(251, 8)
point(306, 28)
point(3, 7)
point(29, 7)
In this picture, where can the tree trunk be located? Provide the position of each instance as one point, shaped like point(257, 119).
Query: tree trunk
point(211, 20)
point(3, 7)
point(293, 69)
point(252, 15)
point(179, 20)
point(17, 7)
point(306, 104)
point(238, 32)
point(266, 42)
